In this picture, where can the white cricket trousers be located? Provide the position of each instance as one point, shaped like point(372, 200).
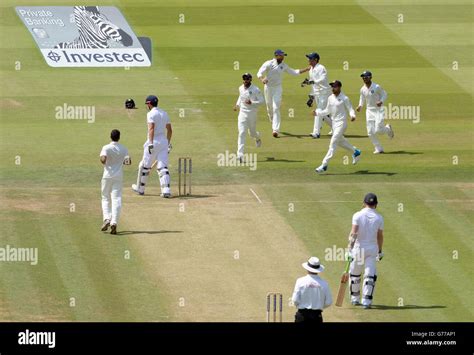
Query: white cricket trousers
point(273, 101)
point(159, 153)
point(246, 121)
point(337, 139)
point(375, 125)
point(321, 102)
point(111, 199)
point(364, 259)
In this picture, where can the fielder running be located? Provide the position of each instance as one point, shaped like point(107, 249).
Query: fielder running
point(320, 91)
point(156, 148)
point(113, 156)
point(374, 96)
point(365, 248)
point(250, 98)
point(338, 106)
point(270, 73)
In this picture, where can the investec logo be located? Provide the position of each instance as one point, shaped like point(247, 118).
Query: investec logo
point(93, 57)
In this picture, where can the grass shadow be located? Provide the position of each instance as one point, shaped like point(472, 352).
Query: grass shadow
point(407, 307)
point(272, 159)
point(403, 152)
point(146, 232)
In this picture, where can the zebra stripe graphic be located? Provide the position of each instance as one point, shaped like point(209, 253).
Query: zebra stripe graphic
point(95, 30)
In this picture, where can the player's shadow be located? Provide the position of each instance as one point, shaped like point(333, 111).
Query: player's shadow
point(403, 152)
point(189, 197)
point(272, 159)
point(291, 135)
point(355, 136)
point(364, 172)
point(146, 232)
point(407, 307)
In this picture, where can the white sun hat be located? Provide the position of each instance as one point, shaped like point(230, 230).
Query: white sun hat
point(313, 265)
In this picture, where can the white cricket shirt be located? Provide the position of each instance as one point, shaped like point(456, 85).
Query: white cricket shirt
point(311, 292)
point(115, 153)
point(254, 94)
point(319, 75)
point(370, 96)
point(369, 222)
point(274, 71)
point(337, 107)
point(160, 118)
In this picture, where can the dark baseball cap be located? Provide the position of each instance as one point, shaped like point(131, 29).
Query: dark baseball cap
point(312, 56)
point(366, 73)
point(370, 199)
point(335, 83)
point(279, 52)
point(246, 76)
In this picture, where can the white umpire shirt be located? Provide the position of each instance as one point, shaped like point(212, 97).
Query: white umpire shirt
point(274, 71)
point(160, 118)
point(319, 75)
point(370, 96)
point(337, 107)
point(115, 153)
point(312, 292)
point(254, 94)
point(369, 222)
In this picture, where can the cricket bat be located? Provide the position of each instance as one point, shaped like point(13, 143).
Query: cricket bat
point(343, 286)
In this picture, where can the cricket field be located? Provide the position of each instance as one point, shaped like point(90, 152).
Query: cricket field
point(245, 231)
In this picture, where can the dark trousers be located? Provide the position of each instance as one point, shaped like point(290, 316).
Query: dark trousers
point(309, 316)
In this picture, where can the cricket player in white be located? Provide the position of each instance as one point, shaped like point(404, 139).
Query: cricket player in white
point(156, 148)
point(270, 73)
point(113, 156)
point(250, 98)
point(365, 248)
point(338, 106)
point(320, 91)
point(311, 294)
point(374, 96)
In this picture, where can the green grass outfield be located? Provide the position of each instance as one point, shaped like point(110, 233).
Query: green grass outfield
point(183, 264)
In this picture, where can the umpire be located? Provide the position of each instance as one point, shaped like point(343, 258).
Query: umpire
point(311, 294)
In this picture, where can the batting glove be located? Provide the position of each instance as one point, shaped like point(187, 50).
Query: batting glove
point(379, 256)
point(150, 148)
point(349, 256)
point(169, 148)
point(310, 101)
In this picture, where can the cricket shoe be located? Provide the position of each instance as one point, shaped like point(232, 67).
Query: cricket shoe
point(356, 156)
point(166, 195)
point(321, 169)
point(258, 143)
point(366, 306)
point(113, 229)
point(391, 134)
point(275, 134)
point(378, 151)
point(314, 136)
point(355, 303)
point(135, 189)
point(105, 226)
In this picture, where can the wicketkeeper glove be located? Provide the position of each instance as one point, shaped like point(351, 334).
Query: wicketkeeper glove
point(310, 101)
point(379, 256)
point(150, 148)
point(169, 148)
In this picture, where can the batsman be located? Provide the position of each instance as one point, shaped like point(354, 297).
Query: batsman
point(155, 149)
point(365, 248)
